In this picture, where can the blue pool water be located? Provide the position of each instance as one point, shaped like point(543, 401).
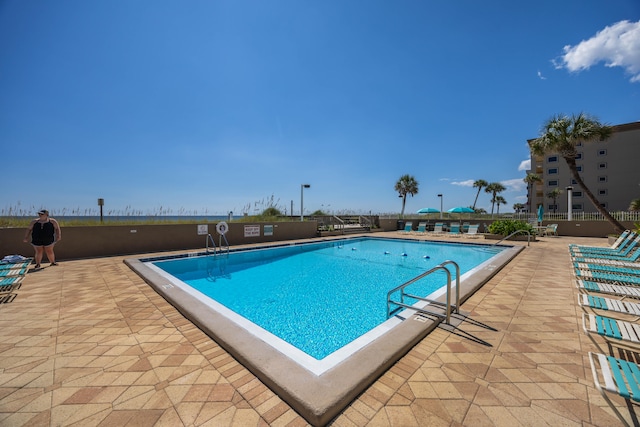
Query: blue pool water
point(321, 296)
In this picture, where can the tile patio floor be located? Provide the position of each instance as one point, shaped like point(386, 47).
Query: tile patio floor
point(88, 343)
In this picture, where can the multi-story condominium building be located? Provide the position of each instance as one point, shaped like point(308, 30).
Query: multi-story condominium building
point(610, 169)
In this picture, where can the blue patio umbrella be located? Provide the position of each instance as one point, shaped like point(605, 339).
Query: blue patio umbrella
point(461, 209)
point(427, 211)
point(540, 213)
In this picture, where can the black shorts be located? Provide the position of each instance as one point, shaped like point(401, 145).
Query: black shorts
point(42, 242)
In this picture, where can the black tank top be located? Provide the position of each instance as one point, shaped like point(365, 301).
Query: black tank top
point(43, 232)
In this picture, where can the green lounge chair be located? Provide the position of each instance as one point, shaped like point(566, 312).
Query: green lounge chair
point(587, 286)
point(599, 276)
point(614, 269)
point(615, 376)
point(615, 245)
point(408, 227)
point(628, 261)
point(454, 230)
point(422, 228)
point(614, 306)
point(622, 251)
point(619, 333)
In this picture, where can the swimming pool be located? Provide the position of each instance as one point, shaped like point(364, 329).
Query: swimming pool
point(318, 389)
point(322, 296)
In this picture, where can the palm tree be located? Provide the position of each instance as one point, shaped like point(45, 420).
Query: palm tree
point(635, 205)
point(494, 188)
point(500, 201)
point(554, 194)
point(561, 134)
point(531, 179)
point(518, 207)
point(478, 184)
point(406, 185)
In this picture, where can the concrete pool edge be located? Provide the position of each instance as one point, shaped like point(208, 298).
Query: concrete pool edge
point(317, 398)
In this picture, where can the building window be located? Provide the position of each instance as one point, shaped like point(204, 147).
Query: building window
point(553, 207)
point(602, 152)
point(574, 182)
point(552, 159)
point(553, 183)
point(578, 156)
point(603, 192)
point(579, 168)
point(576, 206)
point(552, 171)
point(602, 165)
point(603, 204)
point(579, 144)
point(602, 179)
point(577, 194)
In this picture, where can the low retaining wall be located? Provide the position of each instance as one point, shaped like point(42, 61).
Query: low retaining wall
point(110, 240)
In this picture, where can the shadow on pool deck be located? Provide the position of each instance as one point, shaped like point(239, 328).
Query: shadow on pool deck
point(90, 343)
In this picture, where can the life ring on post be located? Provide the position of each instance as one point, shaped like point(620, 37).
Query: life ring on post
point(222, 228)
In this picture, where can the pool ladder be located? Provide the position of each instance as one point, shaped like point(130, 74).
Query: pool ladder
point(448, 306)
point(216, 249)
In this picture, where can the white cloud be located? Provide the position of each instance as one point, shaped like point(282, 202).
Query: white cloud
point(467, 183)
point(616, 46)
point(516, 184)
point(525, 165)
point(541, 76)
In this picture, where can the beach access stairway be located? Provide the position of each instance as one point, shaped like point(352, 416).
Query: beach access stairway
point(334, 225)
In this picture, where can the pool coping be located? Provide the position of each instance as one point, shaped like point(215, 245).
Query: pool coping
point(317, 398)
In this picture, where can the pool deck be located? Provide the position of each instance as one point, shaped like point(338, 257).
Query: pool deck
point(89, 343)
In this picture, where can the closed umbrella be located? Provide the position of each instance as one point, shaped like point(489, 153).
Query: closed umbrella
point(427, 211)
point(540, 213)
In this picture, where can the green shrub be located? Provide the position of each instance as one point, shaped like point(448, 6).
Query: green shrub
point(505, 227)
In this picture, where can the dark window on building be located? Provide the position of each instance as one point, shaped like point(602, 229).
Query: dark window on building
point(553, 183)
point(579, 156)
point(552, 159)
point(577, 194)
point(552, 171)
point(602, 165)
point(603, 192)
point(577, 206)
point(553, 207)
point(602, 179)
point(579, 168)
point(602, 152)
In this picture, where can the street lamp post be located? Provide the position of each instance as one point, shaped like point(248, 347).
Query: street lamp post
point(569, 203)
point(440, 195)
point(302, 187)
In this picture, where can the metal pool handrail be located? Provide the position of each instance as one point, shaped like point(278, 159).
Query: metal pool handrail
point(516, 232)
point(402, 287)
point(213, 242)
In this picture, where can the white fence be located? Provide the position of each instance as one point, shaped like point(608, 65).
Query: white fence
point(548, 216)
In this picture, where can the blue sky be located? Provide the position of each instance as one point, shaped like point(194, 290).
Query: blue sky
point(215, 106)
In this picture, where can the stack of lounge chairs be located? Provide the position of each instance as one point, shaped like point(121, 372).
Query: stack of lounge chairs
point(12, 271)
point(609, 282)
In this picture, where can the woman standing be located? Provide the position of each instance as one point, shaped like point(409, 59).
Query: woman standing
point(45, 232)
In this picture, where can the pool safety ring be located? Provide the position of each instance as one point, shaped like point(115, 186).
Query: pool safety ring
point(222, 228)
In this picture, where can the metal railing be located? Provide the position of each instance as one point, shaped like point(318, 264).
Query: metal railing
point(513, 234)
point(213, 243)
point(447, 304)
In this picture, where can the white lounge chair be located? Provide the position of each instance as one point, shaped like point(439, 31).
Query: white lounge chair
point(472, 232)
